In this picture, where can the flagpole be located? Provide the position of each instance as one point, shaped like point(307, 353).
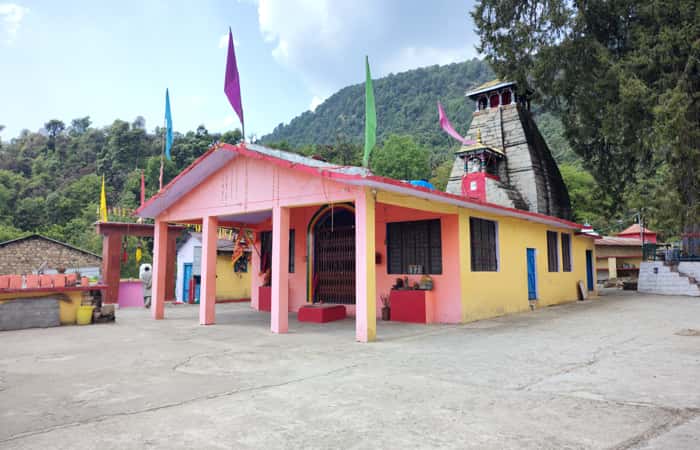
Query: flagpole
point(162, 158)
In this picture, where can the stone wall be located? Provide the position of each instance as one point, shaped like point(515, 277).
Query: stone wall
point(27, 255)
point(691, 269)
point(657, 278)
point(531, 174)
point(29, 313)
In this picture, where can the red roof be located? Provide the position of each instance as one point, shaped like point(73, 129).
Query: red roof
point(220, 154)
point(635, 229)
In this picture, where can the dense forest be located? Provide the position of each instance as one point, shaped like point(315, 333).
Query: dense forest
point(50, 179)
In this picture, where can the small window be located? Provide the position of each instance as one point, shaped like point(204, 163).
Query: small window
point(414, 247)
point(266, 250)
point(241, 264)
point(494, 101)
point(292, 236)
point(506, 97)
point(483, 244)
point(552, 252)
point(566, 252)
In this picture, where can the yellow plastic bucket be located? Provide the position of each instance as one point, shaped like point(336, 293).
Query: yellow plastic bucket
point(84, 315)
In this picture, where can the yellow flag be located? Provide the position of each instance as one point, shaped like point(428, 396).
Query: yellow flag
point(103, 202)
point(138, 254)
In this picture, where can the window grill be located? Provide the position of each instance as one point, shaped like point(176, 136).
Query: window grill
point(552, 252)
point(414, 247)
point(266, 250)
point(483, 245)
point(566, 252)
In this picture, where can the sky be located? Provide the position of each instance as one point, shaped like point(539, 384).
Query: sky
point(114, 60)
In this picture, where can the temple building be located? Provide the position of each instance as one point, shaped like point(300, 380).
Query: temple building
point(331, 241)
point(510, 163)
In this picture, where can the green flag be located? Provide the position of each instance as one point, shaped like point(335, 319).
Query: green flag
point(370, 117)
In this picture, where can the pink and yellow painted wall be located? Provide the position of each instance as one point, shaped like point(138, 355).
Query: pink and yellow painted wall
point(462, 295)
point(247, 186)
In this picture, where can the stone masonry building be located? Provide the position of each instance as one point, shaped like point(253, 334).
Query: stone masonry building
point(510, 164)
point(27, 254)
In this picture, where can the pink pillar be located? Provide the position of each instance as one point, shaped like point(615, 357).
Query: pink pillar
point(365, 268)
point(280, 266)
point(207, 298)
point(160, 261)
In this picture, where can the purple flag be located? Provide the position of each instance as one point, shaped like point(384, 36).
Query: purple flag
point(447, 126)
point(232, 84)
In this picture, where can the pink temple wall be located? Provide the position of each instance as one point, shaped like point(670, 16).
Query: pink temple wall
point(237, 189)
point(250, 185)
point(446, 285)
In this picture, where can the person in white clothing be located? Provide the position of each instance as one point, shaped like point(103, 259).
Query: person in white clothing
point(146, 277)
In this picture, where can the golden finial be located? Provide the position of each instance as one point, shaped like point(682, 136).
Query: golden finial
point(478, 135)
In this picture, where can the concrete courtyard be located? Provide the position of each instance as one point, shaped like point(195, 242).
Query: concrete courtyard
point(622, 371)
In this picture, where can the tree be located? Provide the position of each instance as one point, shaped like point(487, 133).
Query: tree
point(589, 202)
point(401, 158)
point(54, 128)
point(624, 75)
point(80, 125)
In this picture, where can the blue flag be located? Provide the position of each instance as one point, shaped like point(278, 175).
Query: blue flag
point(168, 126)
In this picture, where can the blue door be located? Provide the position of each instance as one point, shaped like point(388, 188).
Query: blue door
point(186, 279)
point(531, 275)
point(589, 269)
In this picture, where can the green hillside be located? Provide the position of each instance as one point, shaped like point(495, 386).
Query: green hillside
point(406, 105)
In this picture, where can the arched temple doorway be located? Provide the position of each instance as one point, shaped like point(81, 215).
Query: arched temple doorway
point(331, 266)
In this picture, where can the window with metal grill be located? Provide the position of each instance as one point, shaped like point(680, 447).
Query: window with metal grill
point(414, 247)
point(266, 250)
point(483, 245)
point(566, 252)
point(292, 236)
point(552, 252)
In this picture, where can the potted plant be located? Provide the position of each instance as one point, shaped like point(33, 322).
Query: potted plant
point(386, 307)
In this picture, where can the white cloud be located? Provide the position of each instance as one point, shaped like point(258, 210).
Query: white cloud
point(315, 101)
point(325, 41)
point(223, 41)
point(410, 57)
point(11, 16)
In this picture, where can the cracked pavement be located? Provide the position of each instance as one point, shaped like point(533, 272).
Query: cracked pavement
point(608, 373)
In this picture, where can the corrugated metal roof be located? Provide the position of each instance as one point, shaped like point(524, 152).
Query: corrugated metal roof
point(222, 245)
point(39, 236)
point(619, 241)
point(635, 229)
point(220, 154)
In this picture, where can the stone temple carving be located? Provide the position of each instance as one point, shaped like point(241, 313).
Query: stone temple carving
point(510, 163)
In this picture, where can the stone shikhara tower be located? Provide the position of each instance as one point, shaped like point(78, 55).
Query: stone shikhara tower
point(510, 164)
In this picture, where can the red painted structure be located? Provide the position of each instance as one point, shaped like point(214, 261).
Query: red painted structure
point(112, 235)
point(474, 185)
point(39, 290)
point(321, 313)
point(636, 232)
point(265, 298)
point(412, 306)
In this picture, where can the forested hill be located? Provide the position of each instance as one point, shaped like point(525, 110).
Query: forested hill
point(406, 105)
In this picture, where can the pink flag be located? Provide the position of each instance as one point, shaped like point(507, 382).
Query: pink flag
point(232, 83)
point(447, 126)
